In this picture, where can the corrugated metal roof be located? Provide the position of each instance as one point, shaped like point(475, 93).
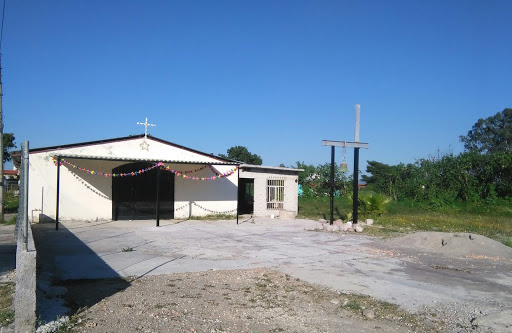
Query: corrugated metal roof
point(135, 159)
point(251, 166)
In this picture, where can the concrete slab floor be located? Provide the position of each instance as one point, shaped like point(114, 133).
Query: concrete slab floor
point(347, 262)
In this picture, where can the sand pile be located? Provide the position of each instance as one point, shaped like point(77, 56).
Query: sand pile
point(459, 245)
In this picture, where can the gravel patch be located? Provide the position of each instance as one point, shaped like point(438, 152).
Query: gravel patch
point(255, 300)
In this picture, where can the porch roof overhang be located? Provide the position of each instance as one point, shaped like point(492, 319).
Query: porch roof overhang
point(135, 159)
point(130, 159)
point(272, 168)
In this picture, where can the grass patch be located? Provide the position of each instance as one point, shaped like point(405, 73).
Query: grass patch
point(11, 202)
point(6, 299)
point(127, 249)
point(493, 220)
point(356, 303)
point(10, 221)
point(318, 208)
point(507, 241)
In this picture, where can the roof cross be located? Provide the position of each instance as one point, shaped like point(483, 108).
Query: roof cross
point(146, 124)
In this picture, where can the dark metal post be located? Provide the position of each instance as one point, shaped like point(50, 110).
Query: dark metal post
point(355, 203)
point(58, 193)
point(237, 194)
point(158, 196)
point(332, 185)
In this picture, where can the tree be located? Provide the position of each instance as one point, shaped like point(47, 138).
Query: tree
point(8, 140)
point(241, 154)
point(307, 174)
point(491, 135)
point(316, 181)
point(382, 178)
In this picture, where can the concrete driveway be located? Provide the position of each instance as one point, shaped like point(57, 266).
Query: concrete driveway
point(344, 261)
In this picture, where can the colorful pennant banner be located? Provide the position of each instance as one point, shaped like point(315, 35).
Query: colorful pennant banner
point(184, 174)
point(217, 175)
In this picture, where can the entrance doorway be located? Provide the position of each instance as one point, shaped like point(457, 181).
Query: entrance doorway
point(134, 197)
point(246, 195)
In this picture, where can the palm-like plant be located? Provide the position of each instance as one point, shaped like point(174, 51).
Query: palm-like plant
point(371, 204)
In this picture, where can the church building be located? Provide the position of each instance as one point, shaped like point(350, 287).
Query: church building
point(144, 177)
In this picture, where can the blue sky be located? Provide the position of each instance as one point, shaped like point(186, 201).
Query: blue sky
point(275, 76)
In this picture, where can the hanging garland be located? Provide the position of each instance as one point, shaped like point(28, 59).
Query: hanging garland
point(215, 172)
point(182, 207)
point(186, 205)
point(183, 174)
point(214, 211)
point(92, 172)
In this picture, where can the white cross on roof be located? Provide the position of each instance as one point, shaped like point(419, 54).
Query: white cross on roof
point(146, 124)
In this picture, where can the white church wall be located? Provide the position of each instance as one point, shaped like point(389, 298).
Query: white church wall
point(200, 198)
point(82, 196)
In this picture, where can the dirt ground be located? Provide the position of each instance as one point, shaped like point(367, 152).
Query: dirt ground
point(255, 300)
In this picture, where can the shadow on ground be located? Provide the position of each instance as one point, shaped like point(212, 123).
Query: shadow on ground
point(68, 268)
point(7, 251)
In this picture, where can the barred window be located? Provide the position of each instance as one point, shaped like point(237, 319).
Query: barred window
point(275, 193)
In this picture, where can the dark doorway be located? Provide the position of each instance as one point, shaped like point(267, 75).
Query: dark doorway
point(246, 195)
point(134, 197)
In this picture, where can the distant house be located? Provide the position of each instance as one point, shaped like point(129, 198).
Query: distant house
point(143, 177)
point(11, 180)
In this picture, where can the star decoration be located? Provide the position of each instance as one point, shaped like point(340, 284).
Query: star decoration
point(144, 145)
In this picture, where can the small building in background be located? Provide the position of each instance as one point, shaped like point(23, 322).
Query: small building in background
point(11, 181)
point(268, 191)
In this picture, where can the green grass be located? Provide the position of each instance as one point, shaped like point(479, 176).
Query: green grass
point(12, 220)
point(318, 208)
point(11, 202)
point(492, 220)
point(6, 299)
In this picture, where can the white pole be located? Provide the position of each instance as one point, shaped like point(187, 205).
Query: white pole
point(358, 111)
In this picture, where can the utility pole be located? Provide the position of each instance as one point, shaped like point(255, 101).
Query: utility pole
point(1, 124)
point(1, 148)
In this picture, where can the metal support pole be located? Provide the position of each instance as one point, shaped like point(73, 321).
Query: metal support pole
point(158, 197)
point(332, 185)
point(58, 193)
point(237, 194)
point(355, 202)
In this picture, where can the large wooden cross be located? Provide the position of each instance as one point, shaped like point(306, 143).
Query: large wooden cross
point(356, 145)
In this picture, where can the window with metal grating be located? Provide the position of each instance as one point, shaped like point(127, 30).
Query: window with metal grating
point(275, 193)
